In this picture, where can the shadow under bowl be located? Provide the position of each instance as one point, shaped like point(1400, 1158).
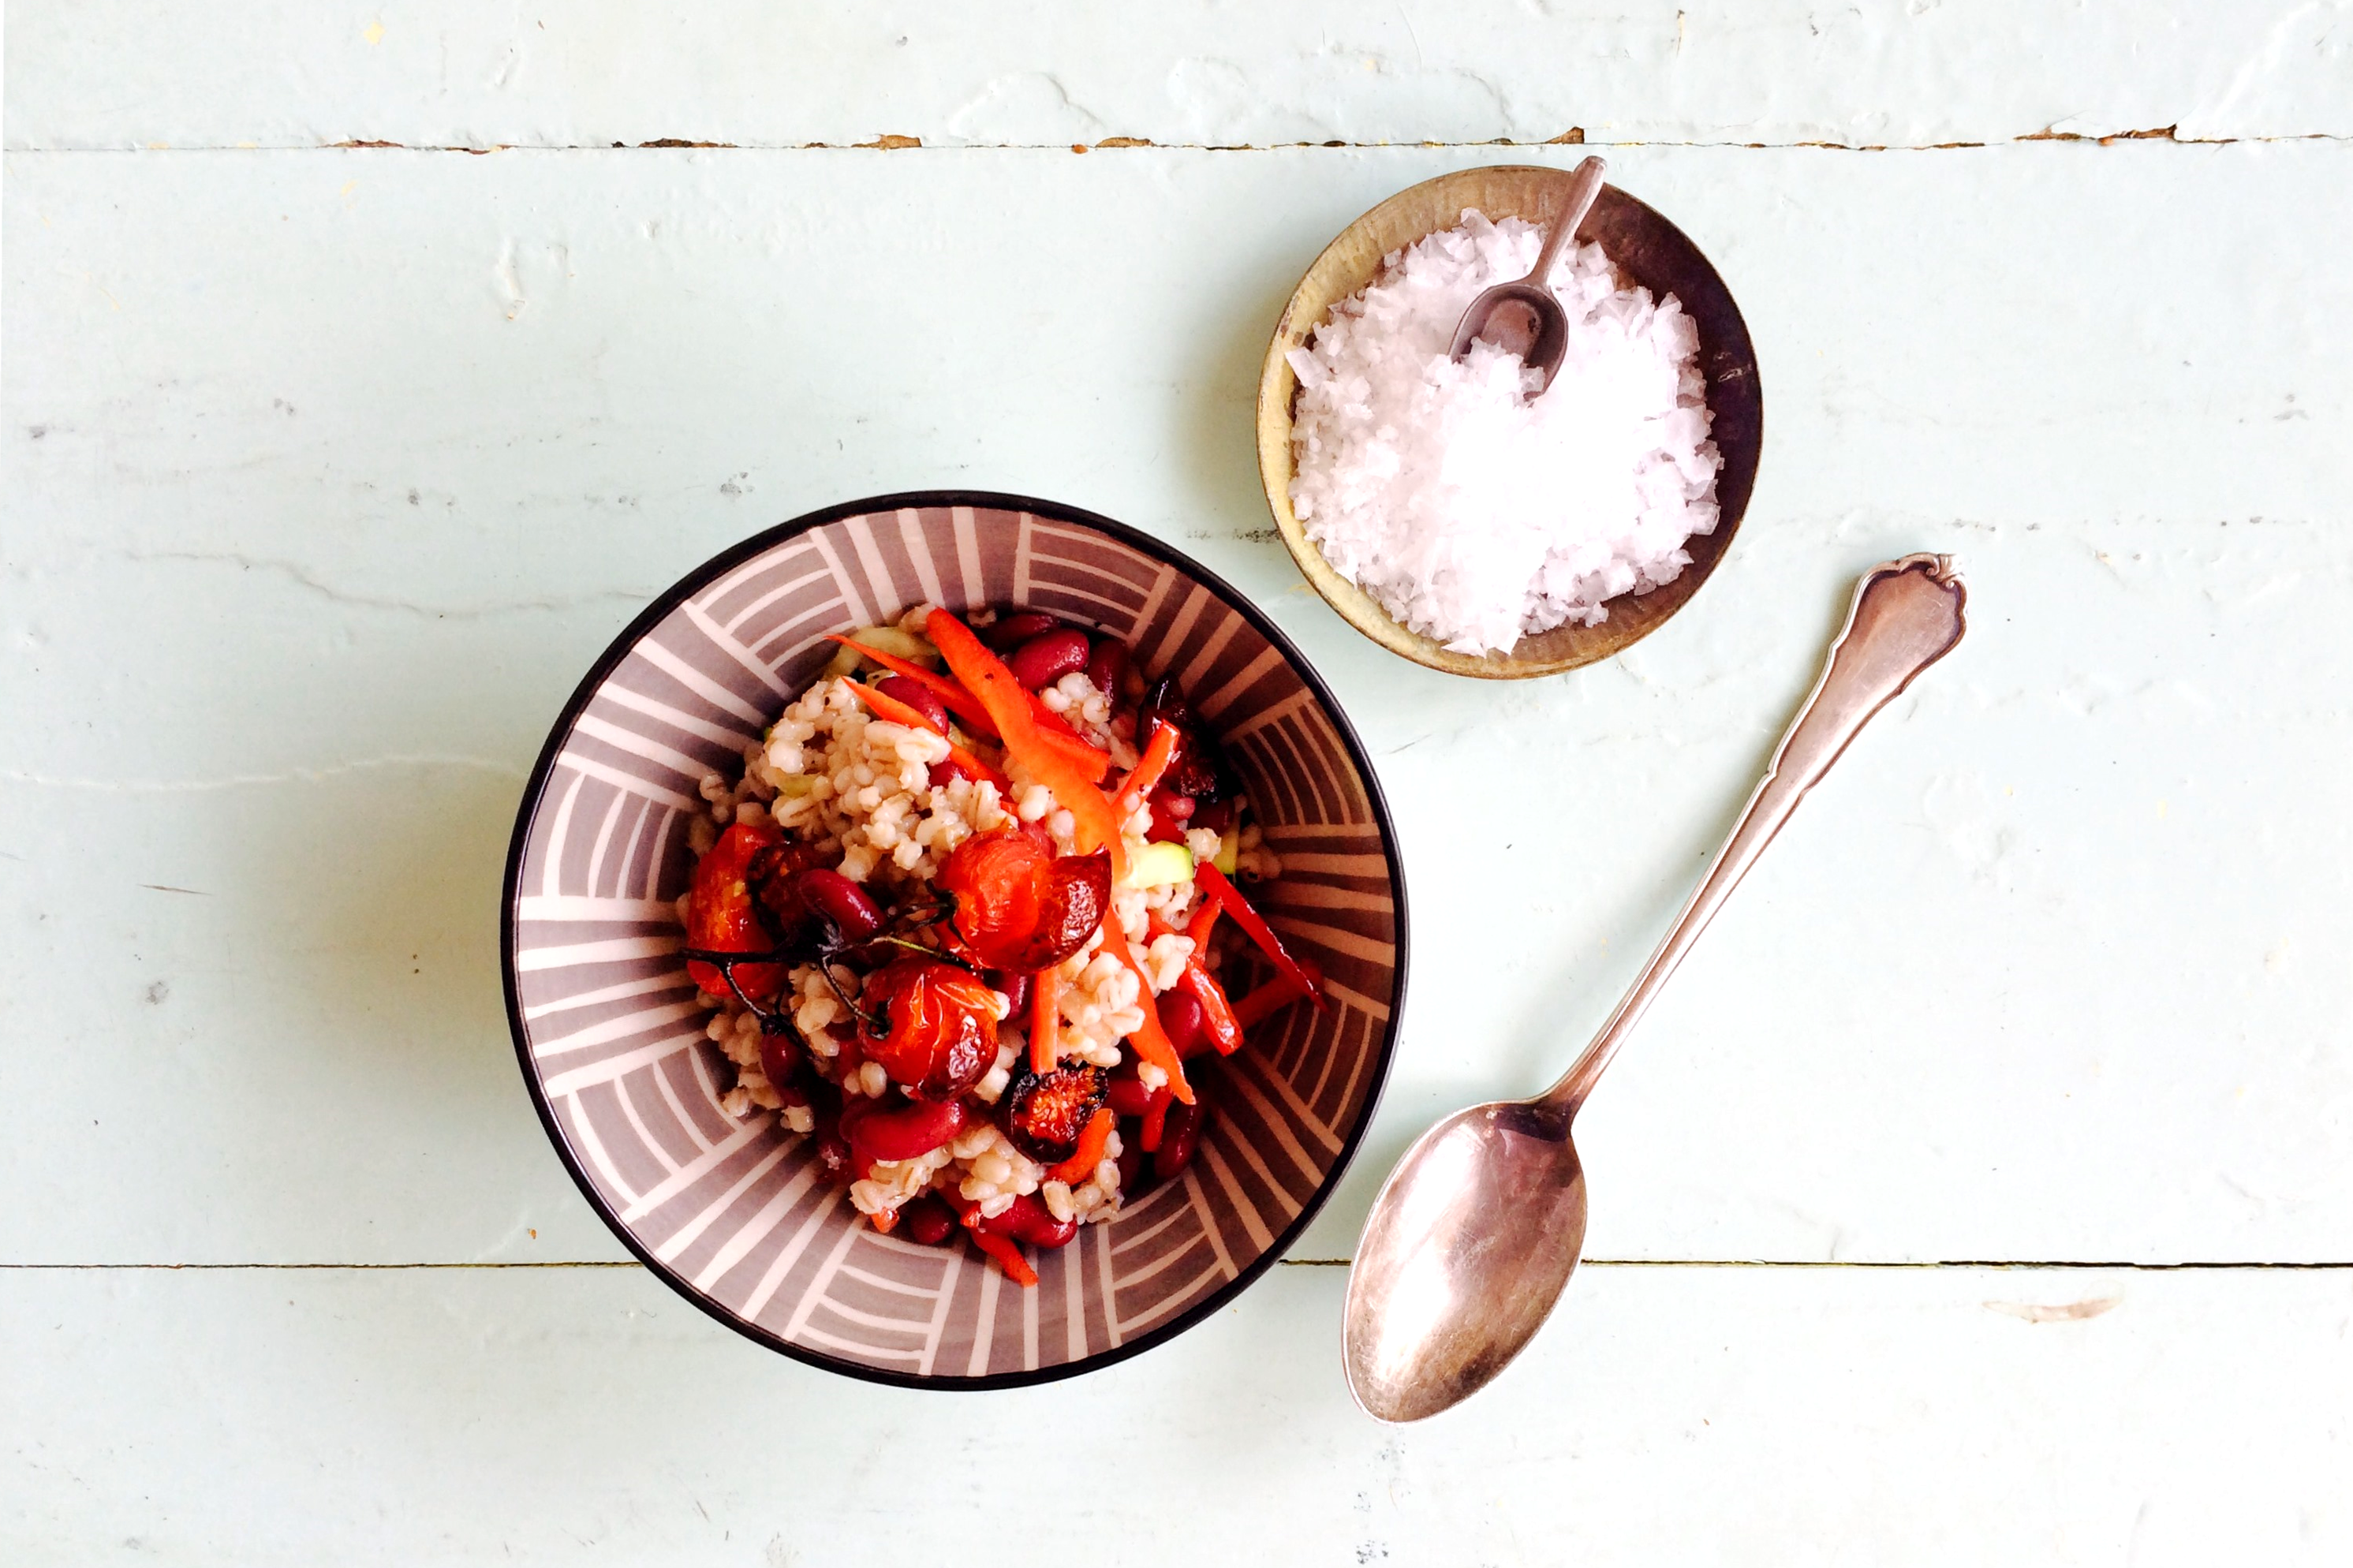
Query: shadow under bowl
point(1647, 249)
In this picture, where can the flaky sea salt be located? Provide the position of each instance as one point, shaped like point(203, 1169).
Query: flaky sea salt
point(1473, 514)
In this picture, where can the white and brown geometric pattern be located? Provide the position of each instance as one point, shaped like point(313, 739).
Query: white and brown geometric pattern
point(731, 1213)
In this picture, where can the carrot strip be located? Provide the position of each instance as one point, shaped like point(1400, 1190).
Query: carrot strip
point(1159, 753)
point(1092, 1141)
point(1092, 761)
point(1053, 730)
point(1044, 1009)
point(1213, 882)
point(884, 1221)
point(1156, 1121)
point(1152, 1042)
point(953, 697)
point(985, 676)
point(890, 707)
point(1008, 1257)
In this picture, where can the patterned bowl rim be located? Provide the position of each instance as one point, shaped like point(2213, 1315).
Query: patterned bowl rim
point(660, 610)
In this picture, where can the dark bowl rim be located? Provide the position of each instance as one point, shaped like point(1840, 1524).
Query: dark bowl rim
point(659, 610)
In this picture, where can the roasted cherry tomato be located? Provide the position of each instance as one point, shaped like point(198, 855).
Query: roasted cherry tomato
point(998, 881)
point(1045, 1113)
point(1020, 907)
point(724, 916)
point(932, 1026)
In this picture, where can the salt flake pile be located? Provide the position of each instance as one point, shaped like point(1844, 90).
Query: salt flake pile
point(1475, 516)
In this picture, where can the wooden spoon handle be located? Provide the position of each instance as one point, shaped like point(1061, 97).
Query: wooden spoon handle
point(1906, 616)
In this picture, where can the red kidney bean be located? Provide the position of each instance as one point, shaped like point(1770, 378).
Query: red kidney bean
point(847, 906)
point(1182, 1020)
point(1176, 808)
point(904, 1131)
point(834, 1158)
point(947, 770)
point(1164, 829)
point(1217, 816)
point(1133, 1178)
point(1028, 1219)
point(919, 696)
point(1180, 1137)
point(1015, 987)
point(1127, 1097)
point(1011, 631)
point(1106, 664)
point(1047, 657)
point(927, 1220)
point(779, 1062)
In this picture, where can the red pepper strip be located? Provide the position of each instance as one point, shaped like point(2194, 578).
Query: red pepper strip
point(1008, 1255)
point(1053, 730)
point(897, 712)
point(1152, 1042)
point(1045, 1014)
point(1204, 920)
point(1268, 1000)
point(1002, 1248)
point(1096, 1137)
point(984, 674)
point(1216, 1012)
point(884, 1221)
point(1156, 1121)
point(1213, 881)
point(1159, 753)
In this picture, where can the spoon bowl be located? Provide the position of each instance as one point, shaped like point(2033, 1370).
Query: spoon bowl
point(1465, 1285)
point(1525, 317)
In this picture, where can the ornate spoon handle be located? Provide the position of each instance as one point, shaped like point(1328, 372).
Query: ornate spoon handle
point(1906, 616)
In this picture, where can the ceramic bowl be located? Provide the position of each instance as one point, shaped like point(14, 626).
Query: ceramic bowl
point(732, 1213)
point(1648, 250)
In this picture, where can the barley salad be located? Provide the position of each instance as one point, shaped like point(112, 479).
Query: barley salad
point(966, 920)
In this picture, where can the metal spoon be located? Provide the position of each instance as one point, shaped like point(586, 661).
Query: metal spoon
point(1525, 317)
point(1478, 1228)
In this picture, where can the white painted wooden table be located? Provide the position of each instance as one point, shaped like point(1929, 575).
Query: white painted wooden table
point(1982, 1190)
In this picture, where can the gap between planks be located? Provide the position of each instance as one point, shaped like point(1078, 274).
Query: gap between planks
point(2198, 1266)
point(1575, 138)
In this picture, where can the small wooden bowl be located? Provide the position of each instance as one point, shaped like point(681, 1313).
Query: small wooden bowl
point(1646, 249)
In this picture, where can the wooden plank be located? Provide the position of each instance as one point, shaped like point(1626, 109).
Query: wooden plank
point(1666, 1415)
point(328, 473)
point(446, 73)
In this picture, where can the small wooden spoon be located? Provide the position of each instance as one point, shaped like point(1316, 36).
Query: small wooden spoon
point(1524, 318)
